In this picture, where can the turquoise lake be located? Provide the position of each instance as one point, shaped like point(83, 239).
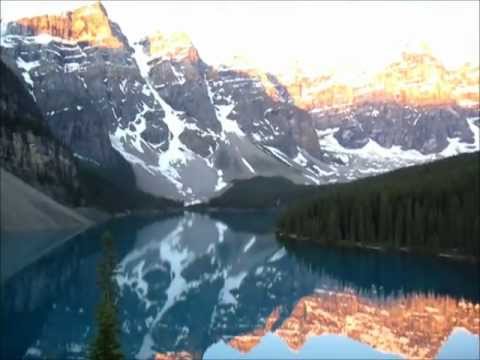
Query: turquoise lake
point(219, 285)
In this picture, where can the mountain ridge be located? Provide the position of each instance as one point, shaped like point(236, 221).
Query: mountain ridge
point(156, 105)
point(415, 79)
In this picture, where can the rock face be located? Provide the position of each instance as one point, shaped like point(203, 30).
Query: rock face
point(414, 103)
point(28, 150)
point(154, 115)
point(417, 79)
point(70, 83)
point(263, 112)
point(41, 163)
point(151, 107)
point(226, 117)
point(171, 46)
point(88, 24)
point(86, 91)
point(425, 129)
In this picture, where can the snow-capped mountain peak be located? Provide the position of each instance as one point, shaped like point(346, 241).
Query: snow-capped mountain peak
point(188, 129)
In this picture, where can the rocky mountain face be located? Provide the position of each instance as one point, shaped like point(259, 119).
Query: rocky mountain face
point(428, 130)
point(30, 150)
point(180, 128)
point(414, 103)
point(417, 78)
point(27, 148)
point(69, 81)
point(89, 24)
point(222, 127)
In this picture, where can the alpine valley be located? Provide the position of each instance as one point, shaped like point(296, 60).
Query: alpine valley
point(203, 195)
point(152, 111)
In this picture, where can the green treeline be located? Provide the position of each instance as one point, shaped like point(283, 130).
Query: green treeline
point(432, 207)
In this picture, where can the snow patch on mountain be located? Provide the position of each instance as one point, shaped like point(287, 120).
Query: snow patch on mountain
point(247, 164)
point(180, 78)
point(456, 146)
point(26, 67)
point(279, 155)
point(134, 130)
point(372, 149)
point(300, 158)
point(228, 125)
point(9, 40)
point(220, 182)
point(222, 112)
point(177, 154)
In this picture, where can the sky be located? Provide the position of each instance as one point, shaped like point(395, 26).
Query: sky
point(275, 35)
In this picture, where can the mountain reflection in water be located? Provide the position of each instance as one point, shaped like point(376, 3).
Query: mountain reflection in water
point(412, 327)
point(219, 285)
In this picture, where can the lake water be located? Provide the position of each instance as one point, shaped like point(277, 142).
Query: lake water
point(220, 286)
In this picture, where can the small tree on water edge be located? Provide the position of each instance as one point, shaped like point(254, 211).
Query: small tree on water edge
point(106, 344)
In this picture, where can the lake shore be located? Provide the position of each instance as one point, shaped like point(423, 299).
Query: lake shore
point(379, 247)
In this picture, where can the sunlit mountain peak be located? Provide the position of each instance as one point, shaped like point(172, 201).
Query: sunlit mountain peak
point(89, 23)
point(170, 45)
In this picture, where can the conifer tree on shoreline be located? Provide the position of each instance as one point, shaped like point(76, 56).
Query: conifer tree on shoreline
point(106, 344)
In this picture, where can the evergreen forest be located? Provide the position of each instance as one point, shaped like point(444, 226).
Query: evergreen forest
point(432, 208)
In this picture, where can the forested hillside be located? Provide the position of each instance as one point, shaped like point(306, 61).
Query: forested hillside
point(261, 192)
point(101, 191)
point(432, 207)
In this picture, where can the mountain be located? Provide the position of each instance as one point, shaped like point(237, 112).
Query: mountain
point(102, 101)
point(39, 176)
point(264, 192)
point(154, 116)
point(417, 79)
point(30, 151)
point(414, 103)
point(27, 147)
point(56, 71)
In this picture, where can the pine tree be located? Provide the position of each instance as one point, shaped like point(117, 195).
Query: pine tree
point(106, 345)
point(399, 228)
